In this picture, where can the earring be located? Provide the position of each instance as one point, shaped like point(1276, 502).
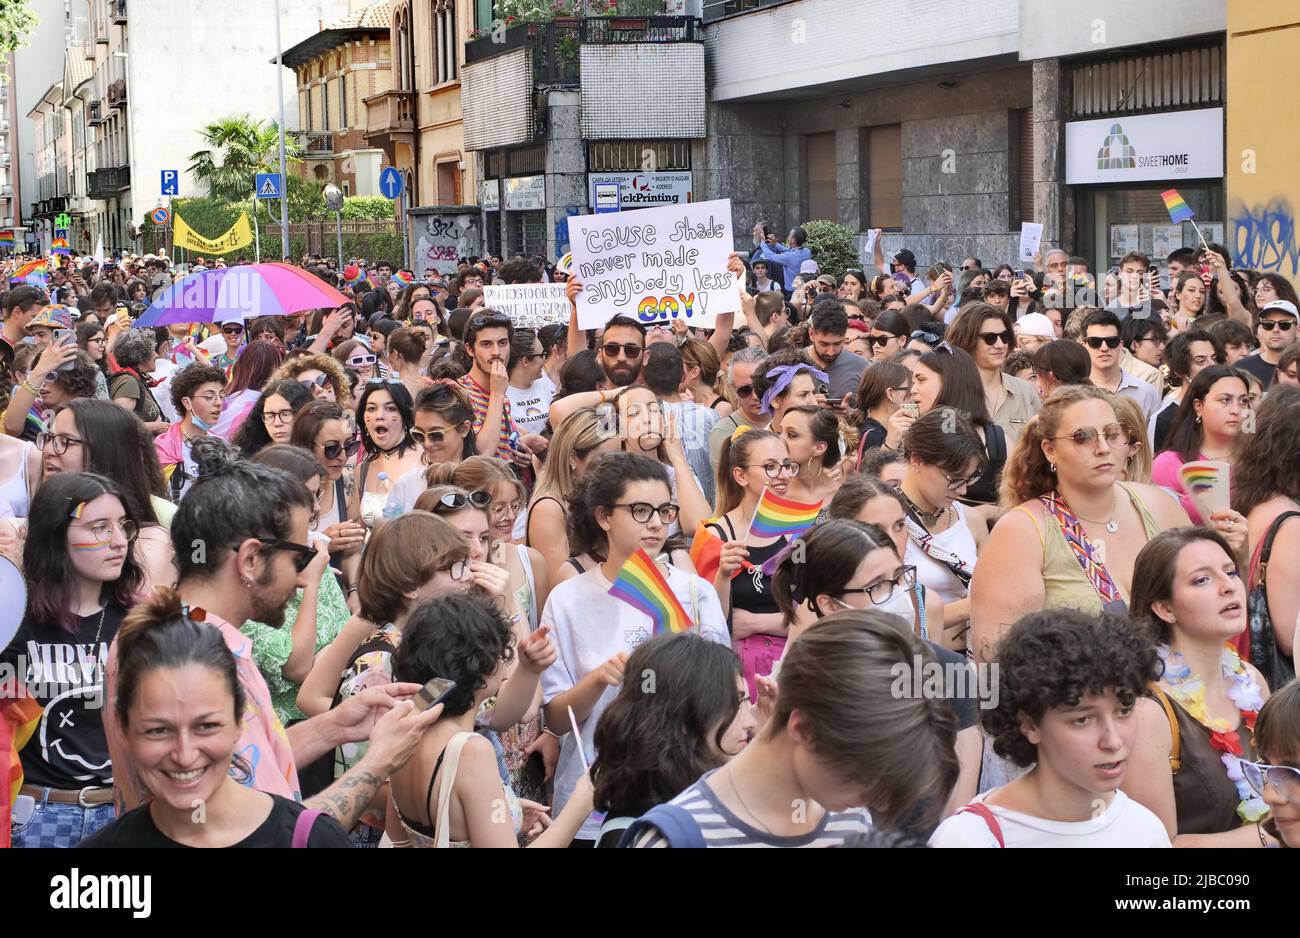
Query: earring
point(1198, 420)
point(248, 584)
point(1052, 467)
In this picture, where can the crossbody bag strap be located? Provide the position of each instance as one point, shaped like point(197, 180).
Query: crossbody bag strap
point(925, 540)
point(1175, 747)
point(1267, 549)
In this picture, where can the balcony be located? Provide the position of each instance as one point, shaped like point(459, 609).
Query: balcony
point(390, 120)
point(107, 183)
point(119, 12)
point(117, 93)
point(717, 9)
point(315, 144)
point(95, 113)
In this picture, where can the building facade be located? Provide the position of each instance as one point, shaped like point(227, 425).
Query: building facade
point(336, 70)
point(53, 158)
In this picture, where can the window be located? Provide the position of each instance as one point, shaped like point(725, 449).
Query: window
point(885, 176)
point(444, 38)
point(637, 156)
point(343, 101)
point(1023, 191)
point(308, 110)
point(325, 104)
point(448, 183)
point(821, 176)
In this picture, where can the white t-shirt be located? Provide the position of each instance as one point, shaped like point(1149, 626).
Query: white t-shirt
point(529, 406)
point(588, 627)
point(1124, 823)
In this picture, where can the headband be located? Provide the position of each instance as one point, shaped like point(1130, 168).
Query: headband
point(784, 375)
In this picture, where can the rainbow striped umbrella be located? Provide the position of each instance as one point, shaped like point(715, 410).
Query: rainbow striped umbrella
point(234, 294)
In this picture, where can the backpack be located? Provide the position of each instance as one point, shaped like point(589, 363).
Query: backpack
point(673, 822)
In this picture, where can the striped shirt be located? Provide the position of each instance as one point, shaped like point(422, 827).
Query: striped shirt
point(478, 398)
point(721, 828)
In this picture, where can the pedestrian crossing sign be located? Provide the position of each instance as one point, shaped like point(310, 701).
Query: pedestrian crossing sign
point(268, 186)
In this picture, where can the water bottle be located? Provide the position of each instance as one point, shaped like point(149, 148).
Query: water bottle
point(392, 501)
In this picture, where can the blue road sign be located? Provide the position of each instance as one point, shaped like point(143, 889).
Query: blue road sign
point(608, 196)
point(268, 186)
point(171, 182)
point(390, 183)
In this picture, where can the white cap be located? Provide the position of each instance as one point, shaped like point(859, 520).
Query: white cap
point(1035, 324)
point(809, 267)
point(1285, 305)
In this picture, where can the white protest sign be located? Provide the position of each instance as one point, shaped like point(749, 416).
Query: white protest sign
point(655, 264)
point(1031, 236)
point(529, 305)
point(868, 249)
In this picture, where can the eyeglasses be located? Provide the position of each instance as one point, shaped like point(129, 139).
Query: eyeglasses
point(455, 501)
point(357, 361)
point(319, 381)
point(630, 350)
point(527, 358)
point(1268, 325)
point(745, 390)
point(880, 592)
point(958, 482)
point(1006, 338)
point(1097, 341)
point(335, 449)
point(506, 508)
point(56, 442)
point(641, 511)
point(303, 555)
point(1282, 777)
point(456, 570)
point(209, 397)
point(1113, 434)
point(103, 530)
point(774, 468)
point(277, 416)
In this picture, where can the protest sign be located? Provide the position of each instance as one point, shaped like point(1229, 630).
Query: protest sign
point(655, 265)
point(1031, 237)
point(529, 305)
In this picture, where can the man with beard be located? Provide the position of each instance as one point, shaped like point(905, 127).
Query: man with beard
point(488, 335)
point(826, 330)
point(621, 347)
point(243, 530)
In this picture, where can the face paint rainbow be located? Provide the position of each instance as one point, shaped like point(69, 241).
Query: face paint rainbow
point(91, 545)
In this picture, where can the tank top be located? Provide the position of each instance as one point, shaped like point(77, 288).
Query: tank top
point(957, 540)
point(1064, 582)
point(14, 489)
point(751, 589)
point(440, 834)
point(1205, 799)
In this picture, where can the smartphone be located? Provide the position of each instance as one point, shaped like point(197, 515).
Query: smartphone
point(911, 408)
point(435, 691)
point(64, 337)
point(834, 401)
point(1018, 274)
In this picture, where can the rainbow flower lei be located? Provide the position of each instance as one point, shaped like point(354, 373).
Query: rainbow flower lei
point(1189, 691)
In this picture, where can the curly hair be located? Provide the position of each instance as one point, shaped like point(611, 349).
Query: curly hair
point(1054, 657)
point(664, 729)
point(190, 378)
point(291, 368)
point(132, 347)
point(1264, 465)
point(602, 486)
point(79, 380)
point(463, 638)
point(761, 377)
point(1027, 474)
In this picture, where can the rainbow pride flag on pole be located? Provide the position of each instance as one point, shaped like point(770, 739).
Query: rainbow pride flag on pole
point(33, 272)
point(6, 240)
point(60, 246)
point(642, 586)
point(404, 277)
point(1179, 211)
point(775, 516)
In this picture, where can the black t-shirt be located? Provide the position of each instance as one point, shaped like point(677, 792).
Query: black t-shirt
point(64, 671)
point(137, 829)
point(1261, 369)
point(1164, 423)
point(964, 706)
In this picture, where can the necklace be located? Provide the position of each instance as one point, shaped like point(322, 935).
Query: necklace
point(1190, 692)
point(94, 644)
point(928, 518)
point(748, 809)
point(1111, 526)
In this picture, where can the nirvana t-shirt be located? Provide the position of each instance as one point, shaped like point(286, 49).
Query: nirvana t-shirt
point(64, 672)
point(529, 406)
point(137, 829)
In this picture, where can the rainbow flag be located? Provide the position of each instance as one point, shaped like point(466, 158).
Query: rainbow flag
point(33, 272)
point(6, 240)
point(61, 246)
point(19, 717)
point(404, 277)
point(775, 516)
point(642, 586)
point(353, 276)
point(1179, 211)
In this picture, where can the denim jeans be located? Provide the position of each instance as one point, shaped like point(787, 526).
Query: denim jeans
point(61, 825)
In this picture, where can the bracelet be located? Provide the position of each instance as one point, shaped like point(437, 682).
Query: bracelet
point(33, 388)
point(349, 591)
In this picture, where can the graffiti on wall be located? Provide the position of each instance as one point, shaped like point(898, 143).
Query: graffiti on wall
point(1263, 237)
point(441, 239)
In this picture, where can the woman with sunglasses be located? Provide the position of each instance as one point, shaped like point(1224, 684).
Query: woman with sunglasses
point(271, 419)
point(889, 334)
point(82, 576)
point(1063, 481)
point(233, 335)
point(319, 374)
point(321, 429)
point(1208, 426)
point(1194, 733)
point(1276, 777)
point(880, 417)
point(354, 355)
point(985, 333)
point(629, 498)
point(387, 415)
point(945, 457)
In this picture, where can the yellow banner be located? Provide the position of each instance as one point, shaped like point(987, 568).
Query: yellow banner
point(240, 235)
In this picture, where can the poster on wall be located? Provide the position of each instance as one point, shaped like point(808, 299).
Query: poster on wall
point(1213, 231)
point(1123, 239)
point(1165, 239)
point(655, 265)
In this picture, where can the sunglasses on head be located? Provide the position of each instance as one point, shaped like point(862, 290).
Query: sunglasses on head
point(485, 320)
point(1268, 325)
point(335, 449)
point(929, 338)
point(455, 501)
point(1096, 341)
point(630, 350)
point(992, 338)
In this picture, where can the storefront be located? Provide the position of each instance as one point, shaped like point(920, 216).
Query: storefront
point(525, 204)
point(643, 190)
point(1119, 167)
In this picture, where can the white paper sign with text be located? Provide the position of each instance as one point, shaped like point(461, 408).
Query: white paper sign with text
point(655, 264)
point(1031, 237)
point(529, 305)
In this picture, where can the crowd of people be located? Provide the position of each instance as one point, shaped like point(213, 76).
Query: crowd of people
point(970, 556)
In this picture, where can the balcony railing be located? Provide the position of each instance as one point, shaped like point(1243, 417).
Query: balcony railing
point(315, 144)
point(119, 12)
point(555, 44)
point(117, 93)
point(107, 183)
point(390, 114)
point(95, 111)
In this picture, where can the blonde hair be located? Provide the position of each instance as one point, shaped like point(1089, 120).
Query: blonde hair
point(293, 367)
point(580, 433)
point(1138, 466)
point(1027, 474)
point(735, 452)
point(475, 474)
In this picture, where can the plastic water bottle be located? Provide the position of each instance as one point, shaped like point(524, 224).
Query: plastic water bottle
point(392, 502)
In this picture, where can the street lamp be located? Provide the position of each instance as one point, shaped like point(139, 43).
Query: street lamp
point(284, 171)
point(334, 202)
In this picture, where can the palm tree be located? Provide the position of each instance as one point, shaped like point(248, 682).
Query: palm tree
point(239, 148)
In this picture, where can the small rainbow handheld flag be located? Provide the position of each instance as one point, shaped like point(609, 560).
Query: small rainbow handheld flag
point(775, 516)
point(6, 240)
point(61, 246)
point(1179, 211)
point(354, 276)
point(642, 586)
point(33, 272)
point(404, 277)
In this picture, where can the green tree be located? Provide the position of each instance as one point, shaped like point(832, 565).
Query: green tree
point(16, 22)
point(832, 246)
point(238, 148)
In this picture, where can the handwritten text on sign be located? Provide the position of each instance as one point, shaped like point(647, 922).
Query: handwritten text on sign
point(656, 264)
point(529, 305)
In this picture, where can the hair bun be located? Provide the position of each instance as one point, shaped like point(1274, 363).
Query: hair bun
point(213, 456)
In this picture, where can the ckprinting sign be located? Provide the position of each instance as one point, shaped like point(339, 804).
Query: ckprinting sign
point(1163, 147)
point(644, 190)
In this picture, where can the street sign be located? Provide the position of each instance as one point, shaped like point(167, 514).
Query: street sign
point(160, 216)
point(607, 197)
point(268, 186)
point(171, 182)
point(63, 220)
point(390, 183)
